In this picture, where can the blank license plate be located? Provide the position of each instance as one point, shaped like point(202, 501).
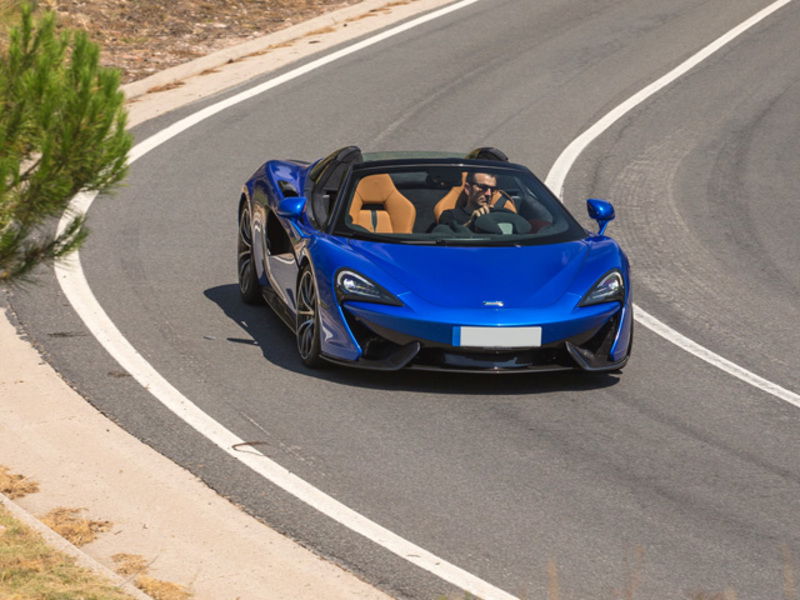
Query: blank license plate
point(500, 337)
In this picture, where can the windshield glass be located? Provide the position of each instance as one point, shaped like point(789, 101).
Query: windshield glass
point(454, 204)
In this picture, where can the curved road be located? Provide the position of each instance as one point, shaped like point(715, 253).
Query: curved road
point(673, 478)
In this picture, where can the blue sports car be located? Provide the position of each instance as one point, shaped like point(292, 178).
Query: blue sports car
point(432, 261)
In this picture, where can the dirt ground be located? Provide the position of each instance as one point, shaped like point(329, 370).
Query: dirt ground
point(141, 37)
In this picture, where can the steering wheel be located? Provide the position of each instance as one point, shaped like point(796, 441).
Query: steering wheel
point(501, 221)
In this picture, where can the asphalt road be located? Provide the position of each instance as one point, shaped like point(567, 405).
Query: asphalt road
point(674, 477)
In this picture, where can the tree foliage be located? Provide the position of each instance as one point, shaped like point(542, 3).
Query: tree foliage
point(62, 131)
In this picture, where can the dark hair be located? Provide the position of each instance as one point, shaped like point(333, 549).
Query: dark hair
point(471, 175)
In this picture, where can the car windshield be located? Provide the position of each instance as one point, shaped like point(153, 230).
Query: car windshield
point(453, 204)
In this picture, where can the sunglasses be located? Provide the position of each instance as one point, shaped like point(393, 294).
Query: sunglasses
point(484, 187)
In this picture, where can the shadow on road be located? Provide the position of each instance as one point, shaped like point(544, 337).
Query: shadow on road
point(265, 330)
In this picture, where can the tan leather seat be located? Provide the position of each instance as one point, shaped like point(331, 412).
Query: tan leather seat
point(379, 207)
point(452, 198)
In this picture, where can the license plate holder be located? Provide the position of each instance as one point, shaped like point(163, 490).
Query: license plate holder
point(498, 337)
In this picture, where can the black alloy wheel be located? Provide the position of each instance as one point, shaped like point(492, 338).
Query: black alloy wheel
point(307, 325)
point(249, 289)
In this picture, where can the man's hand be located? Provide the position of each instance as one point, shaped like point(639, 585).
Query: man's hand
point(479, 212)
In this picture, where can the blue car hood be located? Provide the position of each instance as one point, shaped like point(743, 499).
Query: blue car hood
point(466, 277)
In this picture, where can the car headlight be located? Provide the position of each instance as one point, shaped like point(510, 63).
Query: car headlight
point(609, 288)
point(354, 286)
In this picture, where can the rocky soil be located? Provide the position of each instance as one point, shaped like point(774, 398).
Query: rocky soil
point(141, 37)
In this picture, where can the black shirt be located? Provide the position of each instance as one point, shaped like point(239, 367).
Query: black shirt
point(458, 216)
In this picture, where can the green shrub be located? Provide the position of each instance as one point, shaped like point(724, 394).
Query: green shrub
point(62, 131)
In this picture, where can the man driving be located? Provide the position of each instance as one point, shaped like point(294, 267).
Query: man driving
point(474, 201)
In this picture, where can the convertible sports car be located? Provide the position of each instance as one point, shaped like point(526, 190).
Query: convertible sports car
point(432, 261)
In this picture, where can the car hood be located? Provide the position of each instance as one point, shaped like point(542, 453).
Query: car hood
point(467, 277)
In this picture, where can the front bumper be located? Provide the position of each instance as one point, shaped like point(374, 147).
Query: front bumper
point(594, 339)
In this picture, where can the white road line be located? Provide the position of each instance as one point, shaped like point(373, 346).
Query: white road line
point(76, 288)
point(558, 173)
point(703, 353)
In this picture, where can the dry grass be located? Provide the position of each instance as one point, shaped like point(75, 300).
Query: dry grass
point(269, 48)
point(30, 570)
point(321, 31)
point(135, 565)
point(14, 485)
point(130, 564)
point(167, 86)
point(161, 590)
point(68, 524)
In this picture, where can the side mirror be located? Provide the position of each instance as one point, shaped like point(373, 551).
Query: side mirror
point(601, 211)
point(291, 208)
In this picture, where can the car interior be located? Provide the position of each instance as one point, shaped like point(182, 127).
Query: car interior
point(412, 201)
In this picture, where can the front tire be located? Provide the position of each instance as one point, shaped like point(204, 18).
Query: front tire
point(249, 288)
point(307, 320)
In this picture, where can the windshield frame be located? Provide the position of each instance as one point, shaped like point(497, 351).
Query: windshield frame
point(337, 225)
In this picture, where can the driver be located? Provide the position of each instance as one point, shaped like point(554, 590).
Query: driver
point(474, 200)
